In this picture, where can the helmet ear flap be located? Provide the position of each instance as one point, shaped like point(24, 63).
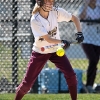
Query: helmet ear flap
point(40, 2)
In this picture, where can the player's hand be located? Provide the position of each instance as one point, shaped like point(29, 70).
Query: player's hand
point(66, 44)
point(79, 37)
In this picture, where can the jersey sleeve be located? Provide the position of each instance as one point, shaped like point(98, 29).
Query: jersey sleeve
point(37, 28)
point(63, 15)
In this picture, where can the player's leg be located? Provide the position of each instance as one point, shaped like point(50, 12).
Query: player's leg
point(92, 52)
point(64, 65)
point(35, 65)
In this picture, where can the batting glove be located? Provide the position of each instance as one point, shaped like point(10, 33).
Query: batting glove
point(79, 37)
point(66, 44)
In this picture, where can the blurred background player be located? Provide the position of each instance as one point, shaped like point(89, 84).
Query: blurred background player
point(44, 25)
point(91, 43)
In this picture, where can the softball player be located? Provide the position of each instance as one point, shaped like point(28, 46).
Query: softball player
point(44, 25)
point(91, 43)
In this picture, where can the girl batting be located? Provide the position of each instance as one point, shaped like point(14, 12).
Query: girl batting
point(44, 25)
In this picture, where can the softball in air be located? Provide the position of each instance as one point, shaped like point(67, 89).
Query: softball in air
point(60, 52)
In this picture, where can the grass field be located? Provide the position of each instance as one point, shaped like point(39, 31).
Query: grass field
point(51, 97)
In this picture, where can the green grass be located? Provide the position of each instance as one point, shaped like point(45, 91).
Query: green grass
point(51, 97)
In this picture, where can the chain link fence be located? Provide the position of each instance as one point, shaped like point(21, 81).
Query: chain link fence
point(16, 41)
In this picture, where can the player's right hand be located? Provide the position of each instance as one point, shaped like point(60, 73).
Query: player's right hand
point(66, 44)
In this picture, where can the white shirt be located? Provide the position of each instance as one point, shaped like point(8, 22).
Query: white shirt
point(91, 30)
point(41, 26)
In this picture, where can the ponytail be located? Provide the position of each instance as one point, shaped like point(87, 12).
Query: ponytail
point(35, 9)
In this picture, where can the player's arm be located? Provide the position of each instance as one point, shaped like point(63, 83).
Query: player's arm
point(76, 21)
point(51, 40)
point(79, 34)
point(56, 41)
point(63, 15)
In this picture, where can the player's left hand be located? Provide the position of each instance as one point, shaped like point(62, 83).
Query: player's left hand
point(66, 44)
point(79, 37)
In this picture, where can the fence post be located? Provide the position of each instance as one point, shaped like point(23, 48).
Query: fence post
point(14, 46)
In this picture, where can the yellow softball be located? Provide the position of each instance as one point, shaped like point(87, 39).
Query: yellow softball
point(60, 52)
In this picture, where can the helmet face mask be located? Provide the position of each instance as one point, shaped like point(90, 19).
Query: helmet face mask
point(40, 2)
point(46, 5)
